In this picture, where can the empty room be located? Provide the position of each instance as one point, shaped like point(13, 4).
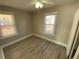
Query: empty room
point(39, 29)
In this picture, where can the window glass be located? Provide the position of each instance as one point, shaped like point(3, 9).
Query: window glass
point(7, 25)
point(50, 23)
point(50, 19)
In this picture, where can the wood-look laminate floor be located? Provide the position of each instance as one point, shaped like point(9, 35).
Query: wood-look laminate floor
point(34, 48)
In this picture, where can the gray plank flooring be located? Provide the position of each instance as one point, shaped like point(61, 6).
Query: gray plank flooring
point(34, 48)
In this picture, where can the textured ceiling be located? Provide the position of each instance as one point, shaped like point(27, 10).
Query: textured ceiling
point(26, 4)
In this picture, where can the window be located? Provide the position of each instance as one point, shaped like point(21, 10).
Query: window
point(7, 25)
point(50, 24)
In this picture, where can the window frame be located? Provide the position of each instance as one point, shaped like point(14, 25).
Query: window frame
point(48, 14)
point(10, 13)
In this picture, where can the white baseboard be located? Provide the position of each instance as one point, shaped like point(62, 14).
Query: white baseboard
point(50, 40)
point(2, 54)
point(8, 44)
point(15, 41)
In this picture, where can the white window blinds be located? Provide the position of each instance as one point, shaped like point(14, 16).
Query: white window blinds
point(7, 25)
point(50, 23)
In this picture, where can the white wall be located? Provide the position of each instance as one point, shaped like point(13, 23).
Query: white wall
point(73, 30)
point(23, 23)
point(64, 21)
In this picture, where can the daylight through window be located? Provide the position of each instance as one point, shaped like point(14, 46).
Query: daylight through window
point(7, 25)
point(50, 24)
